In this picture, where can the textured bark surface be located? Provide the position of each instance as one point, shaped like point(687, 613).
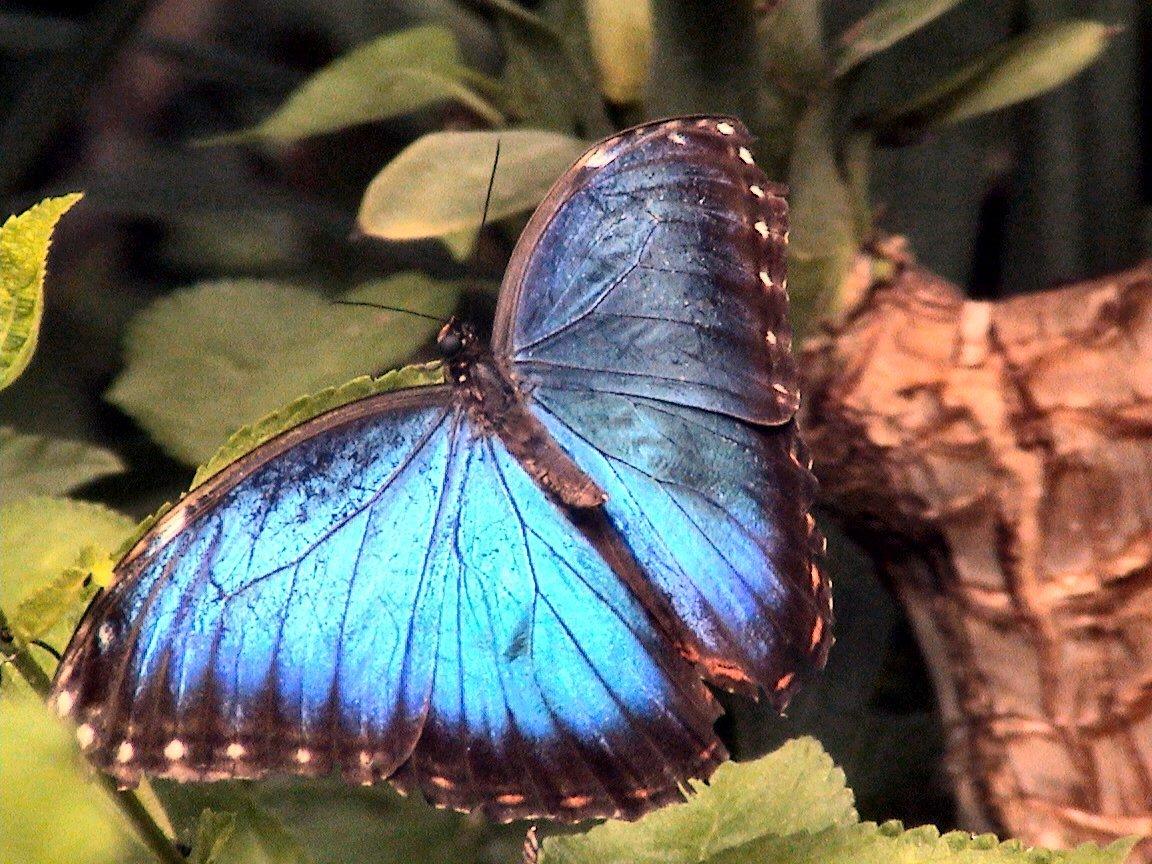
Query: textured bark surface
point(996, 459)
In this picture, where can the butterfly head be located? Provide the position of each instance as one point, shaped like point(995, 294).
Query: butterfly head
point(456, 338)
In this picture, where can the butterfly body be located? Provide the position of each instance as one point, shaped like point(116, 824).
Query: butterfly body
point(496, 405)
point(506, 591)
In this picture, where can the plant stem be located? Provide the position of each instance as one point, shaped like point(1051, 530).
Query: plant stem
point(150, 834)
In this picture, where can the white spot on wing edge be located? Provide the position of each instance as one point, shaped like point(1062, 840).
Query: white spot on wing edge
point(65, 700)
point(725, 128)
point(762, 228)
point(303, 755)
point(746, 155)
point(765, 278)
point(85, 736)
point(235, 750)
point(677, 138)
point(125, 752)
point(758, 191)
point(175, 750)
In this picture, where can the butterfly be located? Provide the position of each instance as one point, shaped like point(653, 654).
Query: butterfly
point(516, 590)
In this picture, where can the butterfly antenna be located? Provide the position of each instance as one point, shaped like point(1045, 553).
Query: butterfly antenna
point(435, 318)
point(472, 278)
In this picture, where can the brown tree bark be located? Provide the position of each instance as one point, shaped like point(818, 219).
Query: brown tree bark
point(996, 460)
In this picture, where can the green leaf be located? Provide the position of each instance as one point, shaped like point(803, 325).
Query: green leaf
point(547, 69)
point(460, 243)
point(250, 437)
point(48, 546)
point(205, 361)
point(213, 833)
point(887, 23)
point(234, 829)
point(621, 39)
point(822, 236)
point(24, 242)
point(436, 186)
point(868, 843)
point(395, 74)
point(1025, 67)
point(795, 789)
point(49, 814)
point(790, 807)
point(38, 465)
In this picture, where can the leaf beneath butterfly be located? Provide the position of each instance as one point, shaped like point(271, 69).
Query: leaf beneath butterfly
point(392, 75)
point(1020, 69)
point(50, 812)
point(437, 185)
point(48, 548)
point(885, 25)
point(207, 360)
point(39, 465)
point(890, 843)
point(296, 412)
point(228, 825)
point(797, 788)
point(24, 241)
point(790, 807)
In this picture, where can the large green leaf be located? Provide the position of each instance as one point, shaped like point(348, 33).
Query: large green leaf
point(394, 74)
point(1020, 69)
point(868, 843)
point(790, 807)
point(205, 361)
point(886, 24)
point(50, 814)
point(232, 828)
point(24, 241)
point(48, 549)
point(436, 186)
point(38, 465)
point(795, 789)
point(822, 242)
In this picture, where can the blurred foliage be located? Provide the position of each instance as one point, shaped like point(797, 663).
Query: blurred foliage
point(327, 97)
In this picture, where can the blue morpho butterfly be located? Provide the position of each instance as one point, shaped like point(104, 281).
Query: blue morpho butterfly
point(507, 590)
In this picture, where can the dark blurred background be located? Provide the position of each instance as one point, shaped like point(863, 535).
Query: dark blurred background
point(107, 98)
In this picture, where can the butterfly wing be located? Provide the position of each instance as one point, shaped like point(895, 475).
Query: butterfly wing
point(380, 592)
point(655, 268)
point(646, 315)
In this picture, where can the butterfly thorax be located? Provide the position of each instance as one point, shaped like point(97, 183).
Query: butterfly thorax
point(496, 405)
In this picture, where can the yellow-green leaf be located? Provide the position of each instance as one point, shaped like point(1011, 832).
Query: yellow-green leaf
point(213, 833)
point(208, 360)
point(38, 465)
point(795, 789)
point(48, 549)
point(1021, 69)
point(50, 813)
point(621, 37)
point(392, 75)
point(436, 186)
point(887, 23)
point(24, 241)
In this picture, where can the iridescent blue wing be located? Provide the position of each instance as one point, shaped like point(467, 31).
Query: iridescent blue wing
point(655, 268)
point(646, 314)
point(381, 593)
